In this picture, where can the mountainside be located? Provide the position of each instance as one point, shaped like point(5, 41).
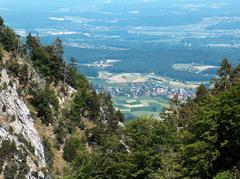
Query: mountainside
point(17, 126)
point(53, 124)
point(43, 101)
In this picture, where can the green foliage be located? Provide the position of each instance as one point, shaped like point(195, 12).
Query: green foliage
point(228, 129)
point(10, 170)
point(50, 63)
point(58, 48)
point(48, 153)
point(201, 92)
point(136, 155)
point(11, 130)
point(148, 140)
point(46, 104)
point(75, 79)
point(62, 129)
point(112, 116)
point(85, 104)
point(47, 59)
point(13, 67)
point(23, 74)
point(198, 151)
point(18, 70)
point(26, 143)
point(7, 149)
point(235, 75)
point(4, 108)
point(1, 52)
point(208, 126)
point(9, 39)
point(224, 175)
point(10, 83)
point(224, 73)
point(1, 21)
point(108, 161)
point(23, 169)
point(197, 139)
point(71, 148)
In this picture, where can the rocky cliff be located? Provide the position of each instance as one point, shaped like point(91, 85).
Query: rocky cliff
point(17, 125)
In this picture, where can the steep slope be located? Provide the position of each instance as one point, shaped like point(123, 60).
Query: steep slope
point(43, 103)
point(17, 125)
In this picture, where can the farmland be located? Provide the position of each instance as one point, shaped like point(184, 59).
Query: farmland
point(140, 106)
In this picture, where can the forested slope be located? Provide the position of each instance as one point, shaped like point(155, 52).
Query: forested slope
point(45, 105)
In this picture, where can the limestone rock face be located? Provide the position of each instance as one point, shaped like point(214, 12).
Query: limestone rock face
point(66, 96)
point(17, 115)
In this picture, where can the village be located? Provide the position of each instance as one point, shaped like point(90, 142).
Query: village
point(148, 88)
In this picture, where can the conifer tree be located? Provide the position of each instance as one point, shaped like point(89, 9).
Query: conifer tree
point(58, 48)
point(224, 73)
point(32, 43)
point(1, 21)
point(201, 92)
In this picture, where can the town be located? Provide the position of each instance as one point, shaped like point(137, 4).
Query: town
point(149, 88)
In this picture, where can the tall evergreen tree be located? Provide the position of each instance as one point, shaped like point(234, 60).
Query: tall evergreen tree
point(1, 21)
point(224, 73)
point(58, 48)
point(73, 62)
point(235, 75)
point(32, 43)
point(201, 92)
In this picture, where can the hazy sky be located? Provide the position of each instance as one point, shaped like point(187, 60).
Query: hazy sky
point(31, 5)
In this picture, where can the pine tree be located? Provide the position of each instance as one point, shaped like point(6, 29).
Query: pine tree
point(1, 21)
point(73, 62)
point(235, 75)
point(58, 48)
point(9, 39)
point(201, 92)
point(224, 73)
point(32, 43)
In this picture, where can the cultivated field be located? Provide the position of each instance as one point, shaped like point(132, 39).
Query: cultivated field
point(123, 77)
point(142, 106)
point(191, 67)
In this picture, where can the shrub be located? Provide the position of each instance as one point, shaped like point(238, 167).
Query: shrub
point(11, 83)
point(7, 149)
point(11, 130)
point(1, 52)
point(26, 143)
point(9, 39)
point(46, 103)
point(70, 149)
point(23, 74)
point(224, 175)
point(48, 152)
point(4, 108)
point(5, 85)
point(13, 67)
point(10, 170)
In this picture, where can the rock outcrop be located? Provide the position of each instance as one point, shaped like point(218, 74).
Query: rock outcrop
point(14, 112)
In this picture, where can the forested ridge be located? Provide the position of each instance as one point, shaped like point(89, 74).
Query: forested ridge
point(85, 137)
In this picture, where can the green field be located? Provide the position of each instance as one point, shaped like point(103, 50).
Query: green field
point(135, 107)
point(142, 106)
